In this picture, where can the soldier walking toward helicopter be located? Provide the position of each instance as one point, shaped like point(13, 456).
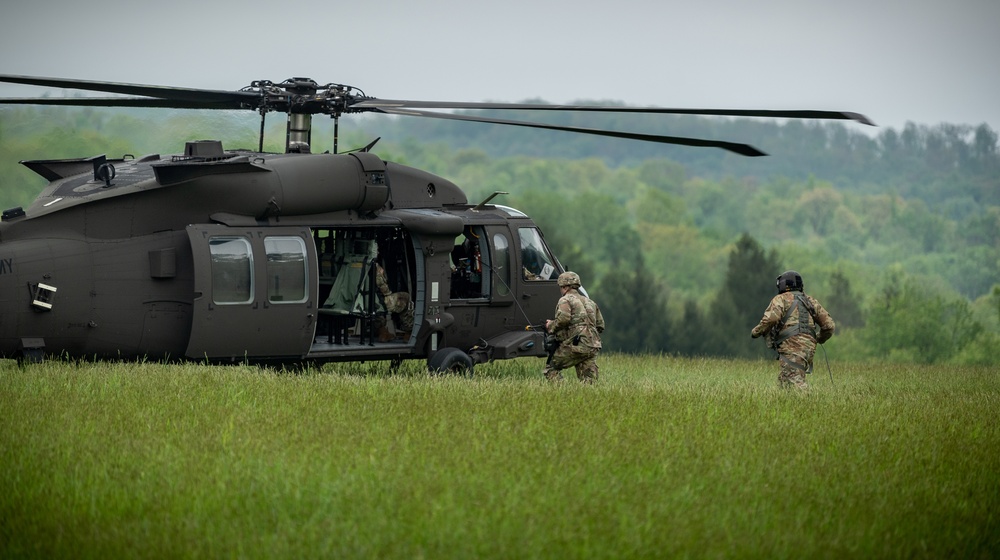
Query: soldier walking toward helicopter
point(577, 327)
point(790, 322)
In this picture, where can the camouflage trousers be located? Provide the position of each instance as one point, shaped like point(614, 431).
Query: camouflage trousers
point(398, 303)
point(581, 357)
point(796, 357)
point(794, 368)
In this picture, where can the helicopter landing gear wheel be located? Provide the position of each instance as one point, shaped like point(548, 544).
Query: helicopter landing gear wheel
point(450, 361)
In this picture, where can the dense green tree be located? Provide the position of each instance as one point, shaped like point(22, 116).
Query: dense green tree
point(745, 292)
point(634, 306)
point(693, 334)
point(817, 208)
point(683, 258)
point(983, 228)
point(658, 207)
point(842, 303)
point(663, 175)
point(912, 322)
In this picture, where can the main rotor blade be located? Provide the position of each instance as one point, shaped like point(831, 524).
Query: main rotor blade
point(742, 149)
point(794, 114)
point(117, 102)
point(161, 92)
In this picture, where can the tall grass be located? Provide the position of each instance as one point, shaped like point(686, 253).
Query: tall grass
point(664, 457)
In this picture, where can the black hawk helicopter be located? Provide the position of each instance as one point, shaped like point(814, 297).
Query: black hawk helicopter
point(238, 255)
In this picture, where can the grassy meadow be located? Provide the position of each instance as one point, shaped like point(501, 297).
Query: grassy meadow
point(664, 457)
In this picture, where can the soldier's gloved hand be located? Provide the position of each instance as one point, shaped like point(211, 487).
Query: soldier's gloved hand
point(754, 334)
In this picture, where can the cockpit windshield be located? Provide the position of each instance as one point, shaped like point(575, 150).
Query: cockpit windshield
point(537, 262)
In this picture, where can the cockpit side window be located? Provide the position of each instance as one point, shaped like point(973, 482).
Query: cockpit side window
point(536, 261)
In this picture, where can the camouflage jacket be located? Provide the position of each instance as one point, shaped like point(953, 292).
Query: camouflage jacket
point(578, 315)
point(783, 316)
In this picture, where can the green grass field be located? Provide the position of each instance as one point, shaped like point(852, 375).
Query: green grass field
point(664, 457)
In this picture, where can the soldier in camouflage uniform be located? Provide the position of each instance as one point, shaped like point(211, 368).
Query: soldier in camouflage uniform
point(395, 302)
point(577, 326)
point(790, 323)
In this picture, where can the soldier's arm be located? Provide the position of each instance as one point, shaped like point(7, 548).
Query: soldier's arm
point(381, 282)
point(774, 312)
point(562, 318)
point(825, 322)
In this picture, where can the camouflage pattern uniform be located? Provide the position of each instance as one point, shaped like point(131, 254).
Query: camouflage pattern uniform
point(791, 330)
point(577, 326)
point(395, 302)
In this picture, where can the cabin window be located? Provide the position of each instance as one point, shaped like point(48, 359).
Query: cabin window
point(536, 262)
point(286, 269)
point(232, 270)
point(501, 248)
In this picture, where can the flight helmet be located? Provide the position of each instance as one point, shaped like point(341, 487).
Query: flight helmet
point(789, 281)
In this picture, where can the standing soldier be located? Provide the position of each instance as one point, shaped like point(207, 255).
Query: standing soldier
point(577, 326)
point(790, 323)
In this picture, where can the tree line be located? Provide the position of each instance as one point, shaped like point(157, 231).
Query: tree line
point(919, 161)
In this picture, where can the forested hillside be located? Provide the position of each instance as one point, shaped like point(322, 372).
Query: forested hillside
point(897, 232)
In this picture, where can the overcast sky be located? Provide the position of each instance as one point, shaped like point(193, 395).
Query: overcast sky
point(926, 61)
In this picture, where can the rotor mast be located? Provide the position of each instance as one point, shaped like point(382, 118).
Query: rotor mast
point(301, 98)
point(298, 128)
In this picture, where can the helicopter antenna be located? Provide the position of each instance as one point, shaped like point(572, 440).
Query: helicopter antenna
point(488, 198)
point(366, 148)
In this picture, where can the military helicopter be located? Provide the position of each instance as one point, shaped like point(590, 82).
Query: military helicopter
point(234, 255)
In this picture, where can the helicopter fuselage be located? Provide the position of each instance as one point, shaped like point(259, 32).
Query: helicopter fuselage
point(257, 257)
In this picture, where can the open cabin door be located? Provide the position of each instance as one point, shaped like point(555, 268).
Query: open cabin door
point(255, 292)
